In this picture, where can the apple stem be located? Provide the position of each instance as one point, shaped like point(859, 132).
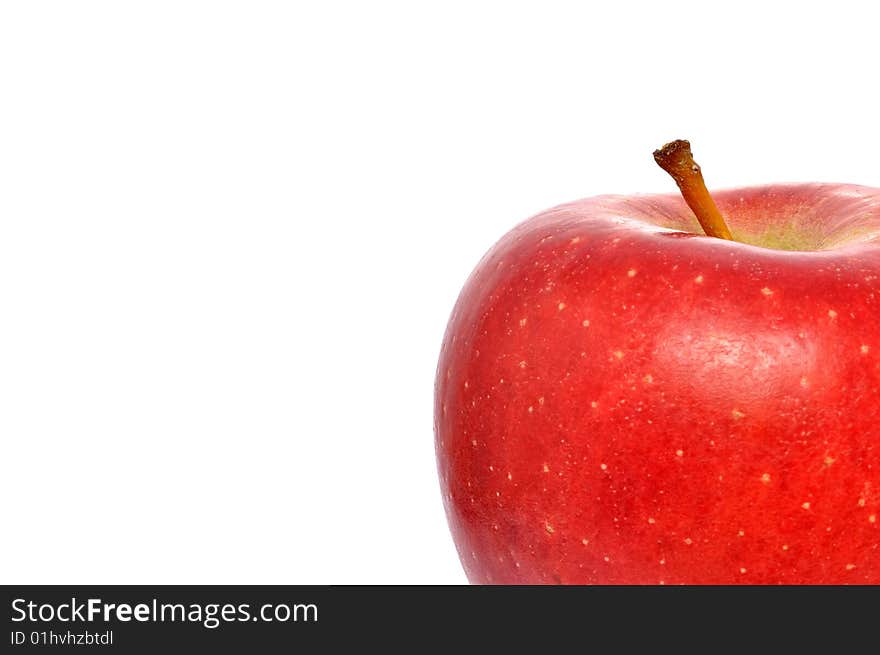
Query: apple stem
point(676, 159)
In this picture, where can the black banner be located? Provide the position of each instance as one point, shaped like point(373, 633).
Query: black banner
point(268, 619)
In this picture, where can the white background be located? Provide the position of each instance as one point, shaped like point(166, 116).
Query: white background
point(231, 234)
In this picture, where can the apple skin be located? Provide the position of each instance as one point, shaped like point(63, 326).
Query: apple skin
point(622, 401)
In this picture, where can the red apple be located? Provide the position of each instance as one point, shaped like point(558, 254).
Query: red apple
point(623, 400)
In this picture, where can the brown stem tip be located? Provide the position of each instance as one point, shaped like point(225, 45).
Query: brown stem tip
point(676, 159)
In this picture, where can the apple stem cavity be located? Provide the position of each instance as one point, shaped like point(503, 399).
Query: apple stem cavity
point(676, 159)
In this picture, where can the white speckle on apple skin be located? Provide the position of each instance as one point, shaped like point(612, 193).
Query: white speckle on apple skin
point(865, 349)
point(767, 292)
